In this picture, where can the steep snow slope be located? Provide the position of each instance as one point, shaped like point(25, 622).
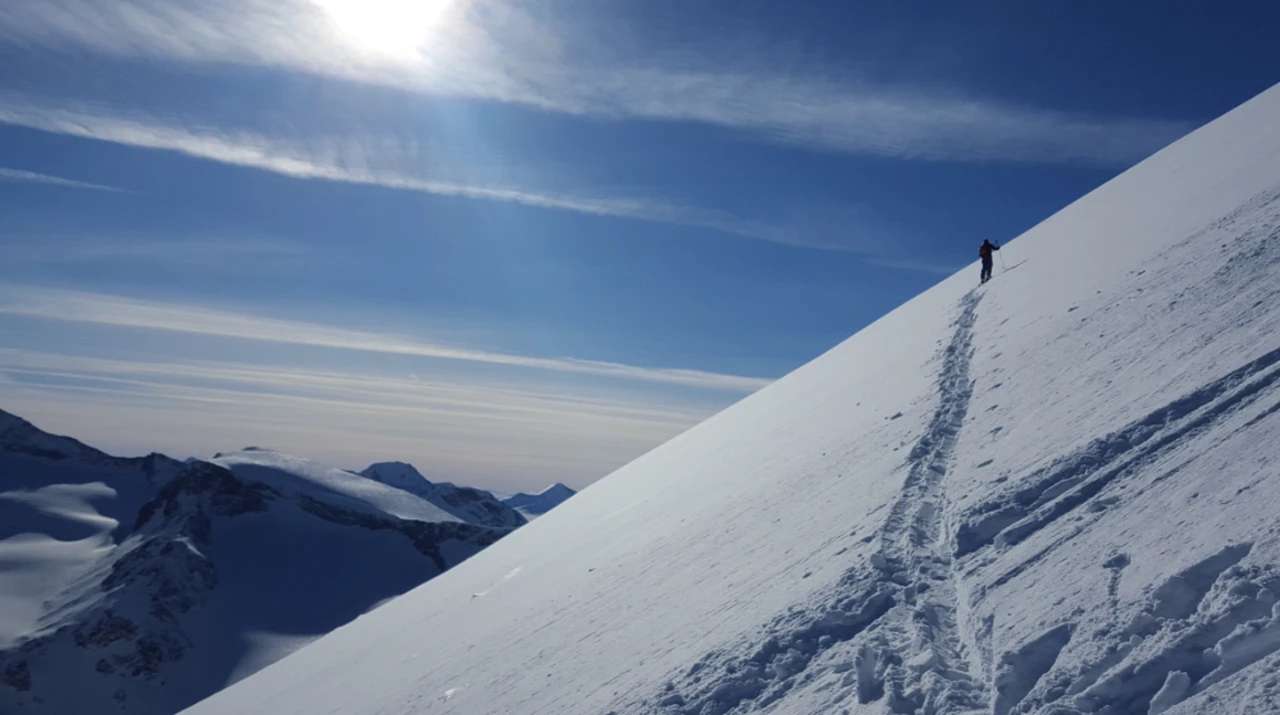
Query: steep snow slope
point(1053, 494)
point(472, 505)
point(540, 503)
point(150, 583)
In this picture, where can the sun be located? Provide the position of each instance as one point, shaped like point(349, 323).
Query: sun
point(396, 28)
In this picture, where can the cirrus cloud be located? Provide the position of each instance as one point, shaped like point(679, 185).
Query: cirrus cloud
point(496, 51)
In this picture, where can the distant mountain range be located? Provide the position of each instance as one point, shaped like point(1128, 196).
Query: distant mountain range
point(150, 583)
point(474, 505)
point(532, 505)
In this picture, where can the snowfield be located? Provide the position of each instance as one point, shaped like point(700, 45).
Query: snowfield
point(1053, 494)
point(142, 585)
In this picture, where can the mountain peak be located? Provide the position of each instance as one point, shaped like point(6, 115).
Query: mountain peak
point(20, 436)
point(542, 502)
point(473, 505)
point(558, 489)
point(8, 420)
point(400, 475)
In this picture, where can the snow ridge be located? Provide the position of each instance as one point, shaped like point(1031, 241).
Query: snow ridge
point(903, 606)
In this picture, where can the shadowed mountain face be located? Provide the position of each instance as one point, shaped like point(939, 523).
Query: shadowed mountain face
point(542, 502)
point(151, 583)
point(474, 505)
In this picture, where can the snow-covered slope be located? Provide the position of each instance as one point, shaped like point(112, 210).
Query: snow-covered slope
point(473, 505)
point(1052, 494)
point(540, 503)
point(149, 583)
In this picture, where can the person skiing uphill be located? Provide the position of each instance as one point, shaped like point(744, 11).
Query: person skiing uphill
point(984, 252)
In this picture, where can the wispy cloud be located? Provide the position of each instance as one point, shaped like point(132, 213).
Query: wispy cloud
point(848, 229)
point(184, 251)
point(352, 163)
point(213, 381)
point(460, 427)
point(906, 264)
point(31, 177)
point(898, 123)
point(497, 51)
point(51, 304)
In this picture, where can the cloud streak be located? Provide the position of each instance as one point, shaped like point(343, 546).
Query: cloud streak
point(906, 264)
point(235, 382)
point(850, 229)
point(265, 153)
point(466, 429)
point(31, 177)
point(101, 309)
point(493, 50)
point(180, 252)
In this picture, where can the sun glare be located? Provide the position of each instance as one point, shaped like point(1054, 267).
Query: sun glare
point(398, 28)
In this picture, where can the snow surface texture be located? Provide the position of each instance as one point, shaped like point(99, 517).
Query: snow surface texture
point(149, 583)
point(1053, 494)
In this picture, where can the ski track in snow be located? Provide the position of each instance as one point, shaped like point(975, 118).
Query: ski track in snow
point(1070, 482)
point(895, 632)
point(904, 605)
point(921, 630)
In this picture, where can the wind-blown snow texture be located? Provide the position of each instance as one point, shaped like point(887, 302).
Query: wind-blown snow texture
point(143, 585)
point(1053, 494)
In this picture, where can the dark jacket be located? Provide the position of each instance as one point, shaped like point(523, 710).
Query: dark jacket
point(984, 251)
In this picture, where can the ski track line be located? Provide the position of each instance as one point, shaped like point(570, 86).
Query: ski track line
point(915, 553)
point(1068, 483)
point(903, 604)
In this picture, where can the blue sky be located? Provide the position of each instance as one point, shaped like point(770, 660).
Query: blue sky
point(523, 242)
